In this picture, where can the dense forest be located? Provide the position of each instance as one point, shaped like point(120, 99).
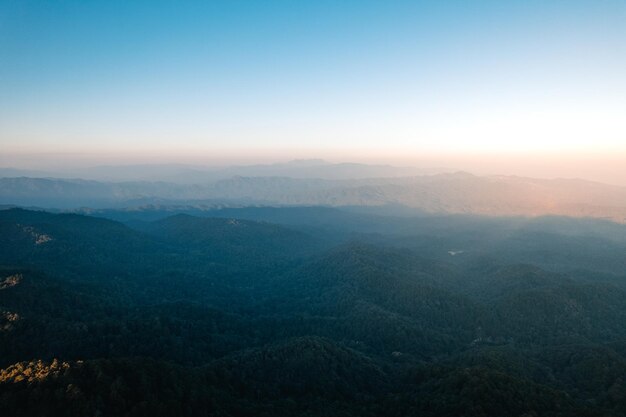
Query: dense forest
point(310, 311)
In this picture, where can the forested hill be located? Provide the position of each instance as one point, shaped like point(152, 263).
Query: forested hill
point(318, 312)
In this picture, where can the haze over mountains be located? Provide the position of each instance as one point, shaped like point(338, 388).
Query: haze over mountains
point(190, 174)
point(311, 288)
point(317, 183)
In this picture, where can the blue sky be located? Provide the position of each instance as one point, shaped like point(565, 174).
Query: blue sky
point(295, 77)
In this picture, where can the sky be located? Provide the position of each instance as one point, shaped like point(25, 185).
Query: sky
point(148, 80)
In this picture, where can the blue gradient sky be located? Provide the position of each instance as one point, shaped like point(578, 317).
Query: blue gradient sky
point(360, 78)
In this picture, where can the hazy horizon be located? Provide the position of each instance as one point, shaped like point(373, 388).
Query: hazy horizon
point(518, 88)
point(608, 169)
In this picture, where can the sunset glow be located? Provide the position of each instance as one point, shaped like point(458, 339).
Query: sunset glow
point(405, 80)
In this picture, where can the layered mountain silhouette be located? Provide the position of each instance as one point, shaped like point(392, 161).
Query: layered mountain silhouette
point(442, 193)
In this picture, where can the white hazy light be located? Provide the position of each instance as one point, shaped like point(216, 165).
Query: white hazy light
point(597, 129)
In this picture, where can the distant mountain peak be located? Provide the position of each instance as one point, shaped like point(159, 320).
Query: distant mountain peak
point(307, 162)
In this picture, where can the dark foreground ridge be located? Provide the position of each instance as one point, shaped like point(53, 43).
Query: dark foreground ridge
point(310, 311)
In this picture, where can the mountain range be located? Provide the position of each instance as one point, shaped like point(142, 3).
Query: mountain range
point(454, 193)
